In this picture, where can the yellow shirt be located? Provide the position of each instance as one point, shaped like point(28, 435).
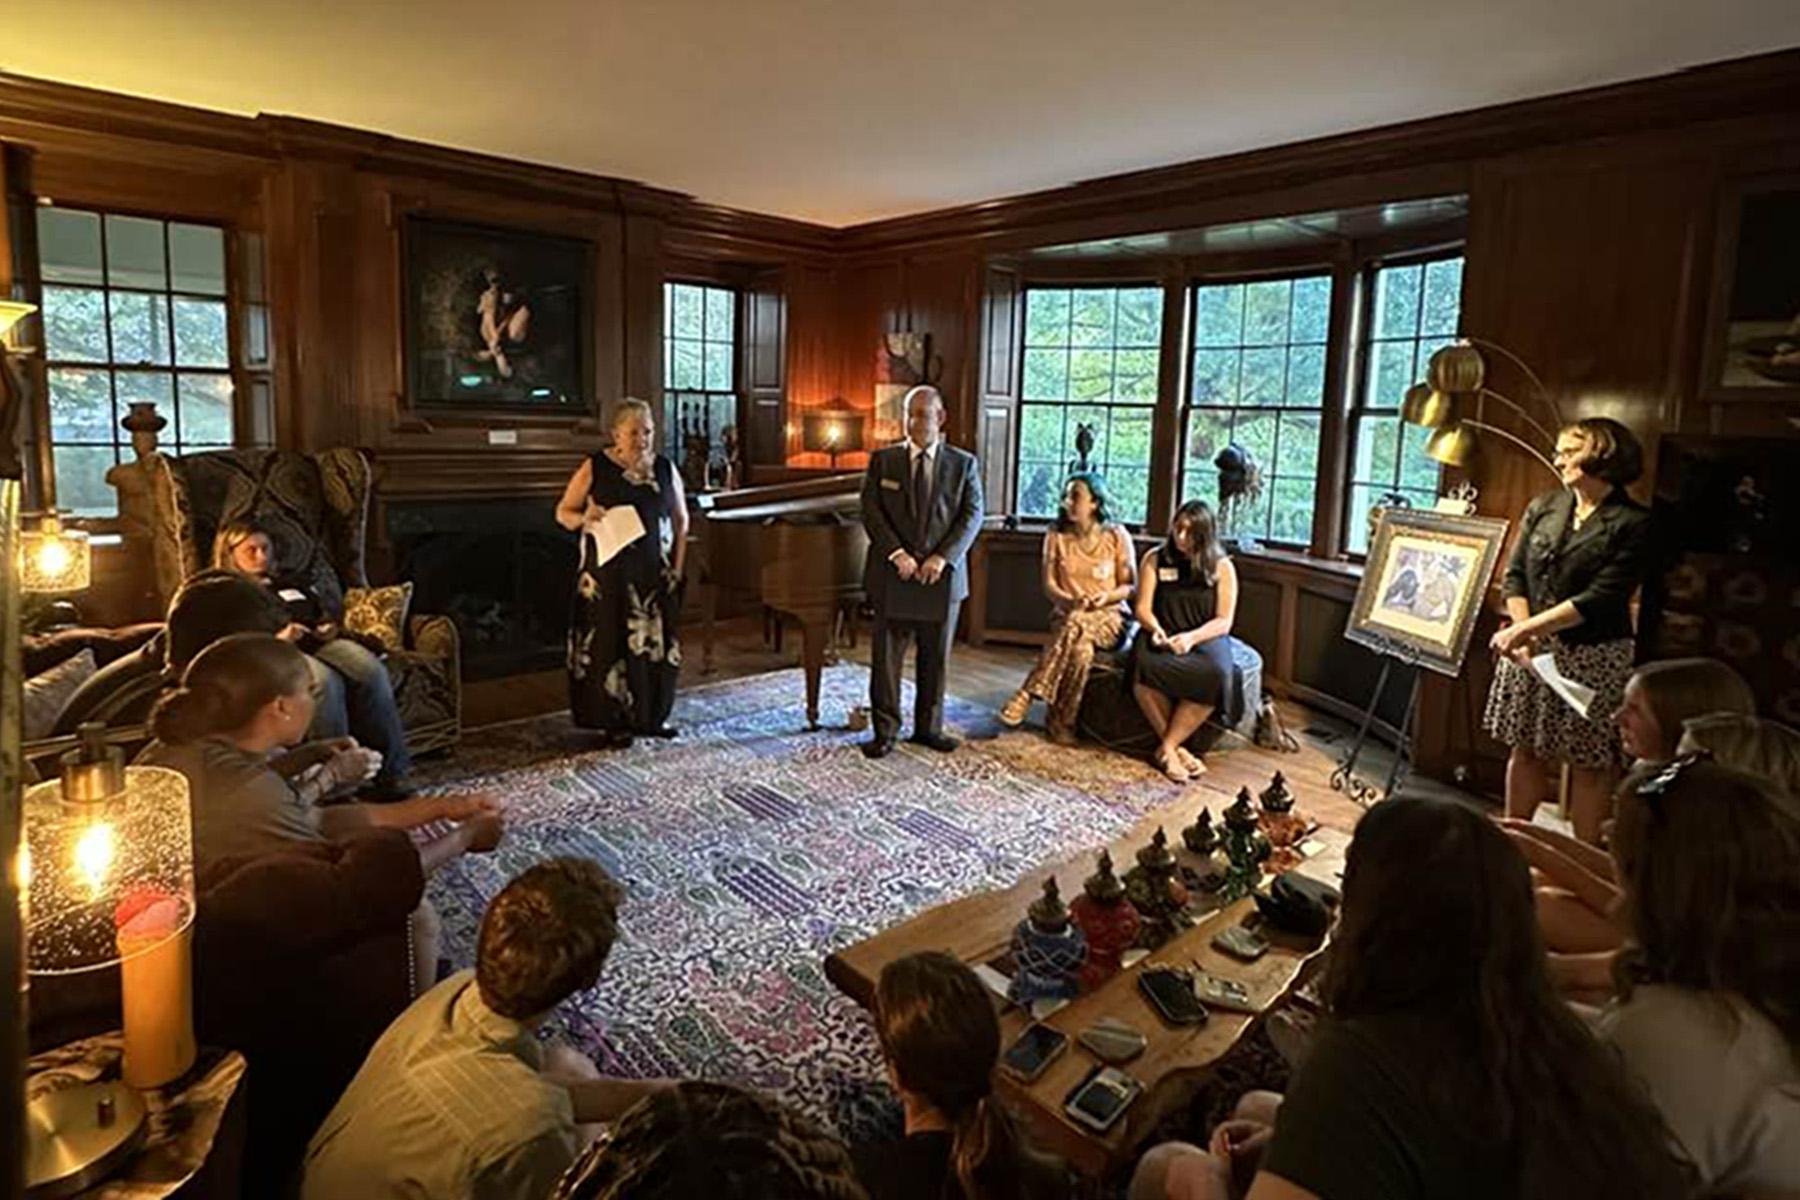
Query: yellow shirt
point(450, 1103)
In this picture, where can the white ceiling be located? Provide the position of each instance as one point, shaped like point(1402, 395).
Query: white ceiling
point(842, 111)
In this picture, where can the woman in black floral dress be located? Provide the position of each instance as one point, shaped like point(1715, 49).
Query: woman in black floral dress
point(624, 650)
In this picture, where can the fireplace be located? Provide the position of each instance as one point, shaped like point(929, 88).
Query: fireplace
point(499, 567)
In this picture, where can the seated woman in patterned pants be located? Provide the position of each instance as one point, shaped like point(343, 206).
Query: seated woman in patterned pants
point(1088, 576)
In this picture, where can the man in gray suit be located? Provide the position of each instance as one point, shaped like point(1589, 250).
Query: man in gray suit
point(921, 503)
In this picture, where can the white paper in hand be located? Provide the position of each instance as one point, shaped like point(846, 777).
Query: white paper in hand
point(1578, 696)
point(620, 527)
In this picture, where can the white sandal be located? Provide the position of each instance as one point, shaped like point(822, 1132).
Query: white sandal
point(1171, 766)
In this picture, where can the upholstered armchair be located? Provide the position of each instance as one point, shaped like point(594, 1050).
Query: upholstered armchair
point(317, 507)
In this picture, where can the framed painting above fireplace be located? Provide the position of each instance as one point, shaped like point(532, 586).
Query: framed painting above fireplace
point(496, 319)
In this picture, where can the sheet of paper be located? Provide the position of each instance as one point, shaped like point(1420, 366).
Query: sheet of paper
point(1576, 695)
point(620, 527)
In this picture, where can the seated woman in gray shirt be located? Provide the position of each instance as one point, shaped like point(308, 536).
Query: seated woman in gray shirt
point(233, 728)
point(1708, 1017)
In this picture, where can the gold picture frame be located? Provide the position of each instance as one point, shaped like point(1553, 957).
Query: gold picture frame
point(1423, 583)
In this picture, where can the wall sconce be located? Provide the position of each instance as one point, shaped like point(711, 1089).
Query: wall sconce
point(53, 559)
point(1457, 372)
point(108, 877)
point(834, 429)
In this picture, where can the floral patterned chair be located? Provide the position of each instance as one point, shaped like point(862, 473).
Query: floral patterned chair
point(317, 507)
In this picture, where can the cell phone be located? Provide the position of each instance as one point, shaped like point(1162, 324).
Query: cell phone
point(1171, 994)
point(1099, 1100)
point(1034, 1050)
point(1223, 993)
point(1240, 942)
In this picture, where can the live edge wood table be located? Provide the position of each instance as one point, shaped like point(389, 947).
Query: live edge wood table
point(978, 929)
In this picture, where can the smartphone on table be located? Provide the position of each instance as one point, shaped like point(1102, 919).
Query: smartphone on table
point(1171, 993)
point(1033, 1051)
point(1102, 1098)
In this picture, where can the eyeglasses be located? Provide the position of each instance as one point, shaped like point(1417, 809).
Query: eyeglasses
point(1652, 790)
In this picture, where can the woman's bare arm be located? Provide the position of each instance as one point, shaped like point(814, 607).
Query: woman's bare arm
point(679, 520)
point(572, 509)
point(1146, 598)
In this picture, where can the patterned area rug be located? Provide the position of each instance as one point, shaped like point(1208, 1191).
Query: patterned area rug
point(750, 849)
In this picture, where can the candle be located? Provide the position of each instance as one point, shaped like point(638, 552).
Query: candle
point(156, 988)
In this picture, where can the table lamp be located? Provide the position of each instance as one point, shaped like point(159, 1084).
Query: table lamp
point(834, 429)
point(53, 559)
point(108, 877)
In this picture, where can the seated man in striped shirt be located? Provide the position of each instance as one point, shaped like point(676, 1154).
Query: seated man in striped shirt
point(458, 1098)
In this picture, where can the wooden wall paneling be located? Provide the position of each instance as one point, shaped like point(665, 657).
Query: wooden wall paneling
point(869, 305)
point(1341, 374)
point(642, 333)
point(941, 297)
point(765, 371)
point(1003, 314)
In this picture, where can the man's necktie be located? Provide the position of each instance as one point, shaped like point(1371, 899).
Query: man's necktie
point(921, 495)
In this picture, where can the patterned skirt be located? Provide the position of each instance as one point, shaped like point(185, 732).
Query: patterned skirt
point(1522, 710)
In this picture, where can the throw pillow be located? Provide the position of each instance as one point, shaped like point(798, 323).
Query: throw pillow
point(48, 694)
point(379, 613)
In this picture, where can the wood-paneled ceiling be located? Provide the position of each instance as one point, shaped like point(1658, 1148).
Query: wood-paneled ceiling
point(841, 111)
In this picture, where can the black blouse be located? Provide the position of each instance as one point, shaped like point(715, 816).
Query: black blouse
point(1596, 567)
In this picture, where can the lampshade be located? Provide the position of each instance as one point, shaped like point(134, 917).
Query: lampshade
point(12, 312)
point(1457, 368)
point(834, 429)
point(109, 863)
point(1425, 405)
point(1452, 444)
point(54, 559)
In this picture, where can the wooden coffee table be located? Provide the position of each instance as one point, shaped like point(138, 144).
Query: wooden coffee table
point(978, 929)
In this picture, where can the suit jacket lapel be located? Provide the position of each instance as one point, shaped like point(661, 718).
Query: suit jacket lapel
point(939, 469)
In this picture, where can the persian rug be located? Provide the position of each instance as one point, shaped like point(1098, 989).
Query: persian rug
point(750, 848)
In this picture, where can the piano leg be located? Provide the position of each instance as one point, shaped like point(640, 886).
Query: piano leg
point(815, 631)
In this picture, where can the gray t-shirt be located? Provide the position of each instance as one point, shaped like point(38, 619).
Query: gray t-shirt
point(1725, 1079)
point(240, 805)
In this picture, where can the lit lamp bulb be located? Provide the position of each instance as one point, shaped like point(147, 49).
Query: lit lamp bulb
point(94, 852)
point(52, 559)
point(832, 433)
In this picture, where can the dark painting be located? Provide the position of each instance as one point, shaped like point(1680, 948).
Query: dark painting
point(496, 318)
point(1755, 339)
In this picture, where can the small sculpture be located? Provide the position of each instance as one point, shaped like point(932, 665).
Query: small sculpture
point(1276, 798)
point(1047, 951)
point(1156, 891)
point(1084, 446)
point(1245, 848)
point(1108, 922)
point(1201, 837)
point(1240, 487)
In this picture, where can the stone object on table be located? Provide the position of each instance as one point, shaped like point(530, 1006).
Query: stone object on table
point(1113, 1041)
point(1201, 837)
point(1246, 849)
point(1108, 921)
point(1048, 951)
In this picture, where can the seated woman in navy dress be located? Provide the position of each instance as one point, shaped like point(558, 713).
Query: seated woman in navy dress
point(1181, 666)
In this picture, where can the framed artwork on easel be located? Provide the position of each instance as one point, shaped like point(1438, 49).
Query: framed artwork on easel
point(1423, 583)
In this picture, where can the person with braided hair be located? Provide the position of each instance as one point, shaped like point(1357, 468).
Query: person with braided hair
point(941, 1041)
point(712, 1140)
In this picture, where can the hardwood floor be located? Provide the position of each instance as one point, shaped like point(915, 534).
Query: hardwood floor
point(987, 675)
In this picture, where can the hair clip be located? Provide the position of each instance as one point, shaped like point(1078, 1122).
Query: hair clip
point(1652, 789)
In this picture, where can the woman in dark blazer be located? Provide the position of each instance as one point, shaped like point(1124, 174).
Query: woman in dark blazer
point(1582, 551)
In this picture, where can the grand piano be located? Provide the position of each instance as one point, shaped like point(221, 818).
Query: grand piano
point(797, 548)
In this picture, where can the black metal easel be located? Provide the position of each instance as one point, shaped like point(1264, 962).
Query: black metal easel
point(1344, 779)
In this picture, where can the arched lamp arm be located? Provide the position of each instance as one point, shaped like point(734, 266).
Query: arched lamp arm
point(1515, 439)
point(1542, 391)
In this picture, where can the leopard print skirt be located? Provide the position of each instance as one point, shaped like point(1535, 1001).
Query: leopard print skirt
point(1523, 711)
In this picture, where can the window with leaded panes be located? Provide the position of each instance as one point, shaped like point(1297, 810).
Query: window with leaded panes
point(134, 309)
point(1258, 381)
point(1413, 311)
point(1090, 358)
point(699, 362)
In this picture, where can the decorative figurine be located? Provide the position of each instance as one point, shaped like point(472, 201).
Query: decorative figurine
point(1245, 848)
point(1201, 837)
point(1276, 798)
point(1047, 951)
point(1283, 825)
point(1109, 923)
point(1156, 891)
point(1240, 487)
